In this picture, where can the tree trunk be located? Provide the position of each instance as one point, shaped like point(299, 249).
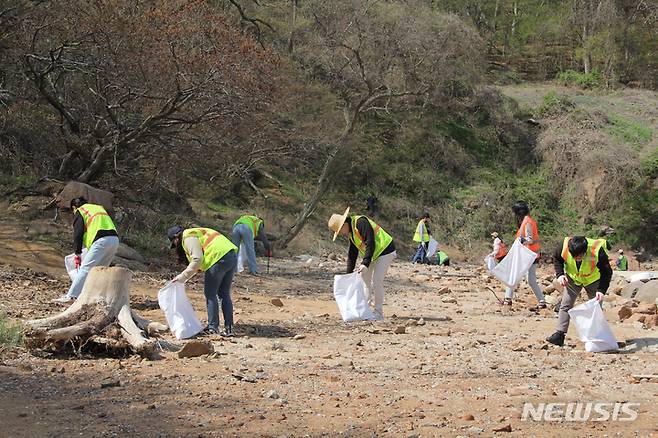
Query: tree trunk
point(98, 159)
point(100, 315)
point(293, 22)
point(324, 181)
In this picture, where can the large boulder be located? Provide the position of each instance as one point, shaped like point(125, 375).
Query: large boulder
point(648, 292)
point(631, 289)
point(75, 189)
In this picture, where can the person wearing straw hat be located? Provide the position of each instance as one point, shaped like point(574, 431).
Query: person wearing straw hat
point(376, 248)
point(212, 253)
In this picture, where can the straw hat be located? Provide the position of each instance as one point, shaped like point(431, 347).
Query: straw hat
point(336, 222)
point(494, 234)
point(621, 251)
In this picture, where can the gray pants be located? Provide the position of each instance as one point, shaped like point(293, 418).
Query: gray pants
point(571, 293)
point(532, 281)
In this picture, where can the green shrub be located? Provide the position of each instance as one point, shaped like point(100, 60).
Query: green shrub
point(583, 80)
point(554, 104)
point(10, 335)
point(630, 132)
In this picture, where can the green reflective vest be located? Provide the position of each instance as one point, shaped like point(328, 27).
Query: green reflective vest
point(382, 238)
point(588, 272)
point(426, 235)
point(623, 263)
point(95, 218)
point(213, 244)
point(442, 257)
point(254, 222)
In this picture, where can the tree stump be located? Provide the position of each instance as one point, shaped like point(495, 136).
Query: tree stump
point(100, 315)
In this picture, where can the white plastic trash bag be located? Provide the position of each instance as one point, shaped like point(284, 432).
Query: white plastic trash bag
point(241, 255)
point(515, 265)
point(593, 328)
point(432, 246)
point(178, 310)
point(69, 262)
point(349, 291)
point(490, 261)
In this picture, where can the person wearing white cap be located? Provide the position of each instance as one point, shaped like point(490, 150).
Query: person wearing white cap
point(499, 248)
point(376, 248)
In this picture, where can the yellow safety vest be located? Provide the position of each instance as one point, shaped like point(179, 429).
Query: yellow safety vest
point(213, 244)
point(95, 218)
point(426, 236)
point(588, 272)
point(623, 263)
point(382, 238)
point(254, 222)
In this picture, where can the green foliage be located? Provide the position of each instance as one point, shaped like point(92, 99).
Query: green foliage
point(11, 334)
point(628, 131)
point(554, 104)
point(583, 80)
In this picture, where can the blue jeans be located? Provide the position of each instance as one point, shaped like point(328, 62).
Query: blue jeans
point(217, 285)
point(244, 233)
point(420, 257)
point(101, 253)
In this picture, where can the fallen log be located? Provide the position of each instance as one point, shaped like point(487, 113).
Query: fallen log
point(101, 315)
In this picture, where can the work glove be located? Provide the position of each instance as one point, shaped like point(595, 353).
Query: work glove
point(361, 268)
point(78, 261)
point(599, 296)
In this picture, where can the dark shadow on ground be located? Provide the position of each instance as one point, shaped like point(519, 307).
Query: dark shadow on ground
point(263, 331)
point(640, 345)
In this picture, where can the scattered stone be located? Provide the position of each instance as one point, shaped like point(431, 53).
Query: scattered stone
point(648, 292)
point(243, 378)
point(276, 302)
point(196, 348)
point(651, 321)
point(646, 308)
point(444, 290)
point(442, 332)
point(506, 428)
point(624, 312)
point(110, 383)
point(399, 330)
point(468, 417)
point(449, 300)
point(298, 337)
point(637, 317)
point(421, 321)
point(631, 289)
point(272, 394)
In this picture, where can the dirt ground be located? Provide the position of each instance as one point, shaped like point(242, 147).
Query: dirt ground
point(465, 369)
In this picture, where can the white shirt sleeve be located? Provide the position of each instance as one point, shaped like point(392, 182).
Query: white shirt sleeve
point(196, 255)
point(496, 247)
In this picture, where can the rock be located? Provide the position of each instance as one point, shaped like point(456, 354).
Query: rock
point(616, 290)
point(133, 265)
point(276, 302)
point(421, 321)
point(298, 337)
point(304, 258)
point(631, 289)
point(518, 390)
point(444, 290)
point(506, 428)
point(449, 300)
point(468, 417)
point(272, 394)
point(645, 308)
point(126, 252)
point(637, 317)
point(442, 332)
point(196, 348)
point(549, 289)
point(75, 189)
point(399, 330)
point(651, 321)
point(110, 383)
point(624, 312)
point(648, 292)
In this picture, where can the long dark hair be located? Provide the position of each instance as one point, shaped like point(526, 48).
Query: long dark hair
point(521, 210)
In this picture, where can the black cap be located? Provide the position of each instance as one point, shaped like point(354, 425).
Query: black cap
point(172, 232)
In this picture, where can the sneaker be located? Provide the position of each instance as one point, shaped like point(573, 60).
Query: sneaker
point(556, 338)
point(379, 316)
point(507, 302)
point(541, 305)
point(64, 299)
point(228, 332)
point(207, 330)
